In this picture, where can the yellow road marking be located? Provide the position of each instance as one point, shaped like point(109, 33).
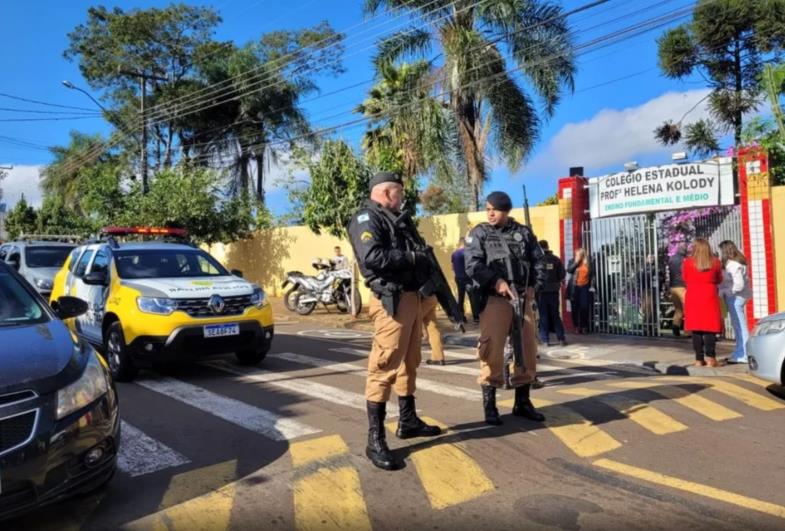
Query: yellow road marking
point(183, 486)
point(211, 512)
point(447, 473)
point(331, 496)
point(578, 433)
point(642, 414)
point(753, 379)
point(738, 392)
point(694, 488)
point(695, 402)
point(319, 449)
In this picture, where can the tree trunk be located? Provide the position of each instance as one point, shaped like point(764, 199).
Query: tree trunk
point(737, 119)
point(465, 115)
point(260, 176)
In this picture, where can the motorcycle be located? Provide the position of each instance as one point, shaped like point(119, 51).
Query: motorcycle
point(329, 286)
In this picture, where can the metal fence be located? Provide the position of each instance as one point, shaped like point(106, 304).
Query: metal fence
point(630, 256)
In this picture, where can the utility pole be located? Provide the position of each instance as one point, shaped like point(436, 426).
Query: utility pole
point(143, 77)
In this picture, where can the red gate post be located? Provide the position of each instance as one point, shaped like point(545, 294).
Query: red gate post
point(573, 211)
point(755, 191)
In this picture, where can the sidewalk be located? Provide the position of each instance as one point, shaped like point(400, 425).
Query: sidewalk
point(663, 355)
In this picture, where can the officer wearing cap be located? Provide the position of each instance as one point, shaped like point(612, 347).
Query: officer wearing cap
point(494, 250)
point(394, 271)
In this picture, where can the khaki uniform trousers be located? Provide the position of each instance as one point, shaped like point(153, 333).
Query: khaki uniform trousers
point(495, 321)
point(396, 352)
point(677, 298)
point(428, 309)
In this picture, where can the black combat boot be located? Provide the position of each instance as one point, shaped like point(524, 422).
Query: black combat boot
point(523, 406)
point(409, 424)
point(377, 450)
point(489, 405)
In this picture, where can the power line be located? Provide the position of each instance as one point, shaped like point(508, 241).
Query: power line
point(33, 111)
point(48, 104)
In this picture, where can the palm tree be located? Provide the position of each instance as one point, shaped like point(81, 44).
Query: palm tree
point(410, 131)
point(479, 40)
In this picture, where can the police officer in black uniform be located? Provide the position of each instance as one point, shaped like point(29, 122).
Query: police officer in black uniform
point(395, 271)
point(493, 251)
point(548, 297)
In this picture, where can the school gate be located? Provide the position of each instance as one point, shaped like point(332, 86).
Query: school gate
point(631, 223)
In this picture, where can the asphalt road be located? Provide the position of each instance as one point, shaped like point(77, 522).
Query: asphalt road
point(219, 446)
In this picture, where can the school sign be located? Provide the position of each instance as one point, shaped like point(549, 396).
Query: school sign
point(671, 187)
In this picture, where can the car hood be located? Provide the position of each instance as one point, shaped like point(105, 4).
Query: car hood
point(43, 272)
point(773, 317)
point(188, 288)
point(43, 357)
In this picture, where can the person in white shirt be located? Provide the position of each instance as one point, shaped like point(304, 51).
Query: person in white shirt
point(735, 290)
point(339, 261)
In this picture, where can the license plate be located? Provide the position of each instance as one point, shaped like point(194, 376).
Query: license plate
point(222, 330)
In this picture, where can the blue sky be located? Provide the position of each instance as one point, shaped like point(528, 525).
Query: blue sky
point(620, 95)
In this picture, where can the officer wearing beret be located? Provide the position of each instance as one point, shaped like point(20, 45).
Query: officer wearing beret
point(394, 271)
point(493, 251)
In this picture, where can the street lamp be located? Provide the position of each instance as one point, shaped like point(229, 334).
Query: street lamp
point(69, 85)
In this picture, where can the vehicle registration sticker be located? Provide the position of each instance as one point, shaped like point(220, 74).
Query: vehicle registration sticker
point(222, 330)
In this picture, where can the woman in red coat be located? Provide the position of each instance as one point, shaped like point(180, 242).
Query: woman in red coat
point(702, 275)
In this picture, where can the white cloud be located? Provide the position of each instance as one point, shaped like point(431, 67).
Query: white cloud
point(22, 180)
point(612, 137)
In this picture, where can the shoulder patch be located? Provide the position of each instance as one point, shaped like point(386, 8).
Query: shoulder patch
point(366, 236)
point(469, 239)
point(363, 218)
point(518, 237)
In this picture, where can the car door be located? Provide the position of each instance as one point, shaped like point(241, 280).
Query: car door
point(81, 290)
point(96, 296)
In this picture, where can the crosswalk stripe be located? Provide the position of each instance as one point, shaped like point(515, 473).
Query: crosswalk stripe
point(422, 383)
point(753, 379)
point(447, 473)
point(140, 454)
point(210, 512)
point(244, 415)
point(578, 433)
point(284, 380)
point(184, 486)
point(695, 402)
point(327, 495)
point(738, 392)
point(643, 414)
point(694, 488)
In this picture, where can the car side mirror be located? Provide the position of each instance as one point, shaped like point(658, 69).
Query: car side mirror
point(96, 278)
point(14, 262)
point(70, 307)
point(237, 273)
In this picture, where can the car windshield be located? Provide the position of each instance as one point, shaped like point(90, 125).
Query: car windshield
point(17, 305)
point(167, 263)
point(47, 256)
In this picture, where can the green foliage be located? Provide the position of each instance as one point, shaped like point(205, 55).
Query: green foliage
point(339, 183)
point(765, 133)
point(22, 219)
point(190, 198)
point(552, 200)
point(728, 43)
point(494, 115)
point(55, 217)
point(701, 139)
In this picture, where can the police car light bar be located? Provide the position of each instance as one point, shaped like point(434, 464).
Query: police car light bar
point(148, 231)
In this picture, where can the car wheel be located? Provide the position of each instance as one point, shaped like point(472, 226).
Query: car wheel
point(251, 357)
point(116, 354)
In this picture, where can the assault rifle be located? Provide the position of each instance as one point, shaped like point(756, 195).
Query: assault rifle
point(437, 282)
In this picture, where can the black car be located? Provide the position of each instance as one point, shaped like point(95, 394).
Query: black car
point(59, 420)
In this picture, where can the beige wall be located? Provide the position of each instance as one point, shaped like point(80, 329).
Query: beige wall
point(778, 222)
point(267, 256)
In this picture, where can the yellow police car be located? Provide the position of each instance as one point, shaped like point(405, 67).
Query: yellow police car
point(156, 302)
